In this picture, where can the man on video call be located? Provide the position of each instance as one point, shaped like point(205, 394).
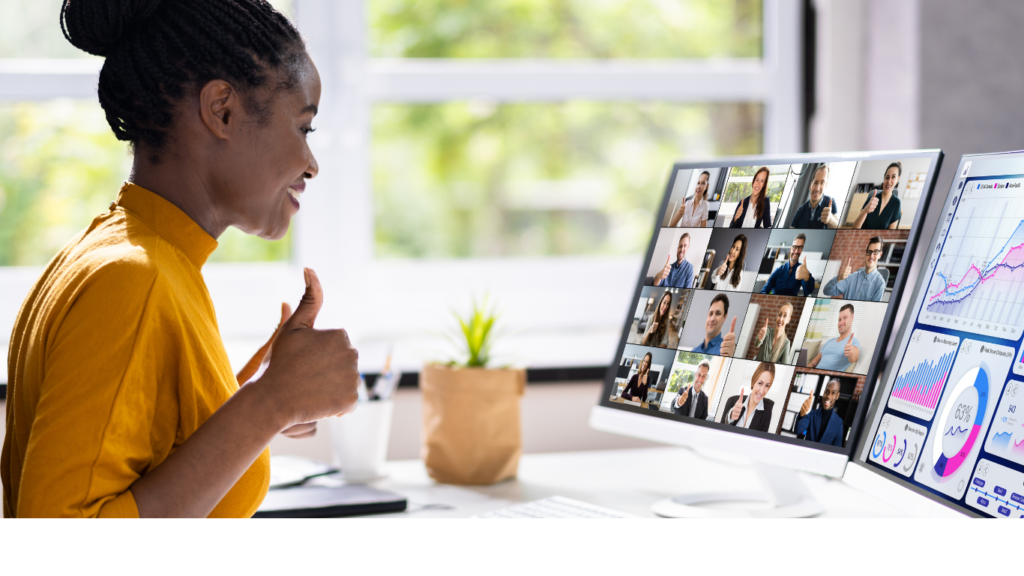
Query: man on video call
point(864, 284)
point(844, 351)
point(824, 424)
point(692, 401)
point(788, 279)
point(714, 342)
point(678, 274)
point(819, 211)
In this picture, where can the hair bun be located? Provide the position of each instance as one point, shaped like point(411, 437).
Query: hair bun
point(98, 26)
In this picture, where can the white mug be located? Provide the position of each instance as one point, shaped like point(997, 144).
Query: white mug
point(360, 440)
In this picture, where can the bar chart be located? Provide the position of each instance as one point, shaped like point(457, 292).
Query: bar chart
point(924, 373)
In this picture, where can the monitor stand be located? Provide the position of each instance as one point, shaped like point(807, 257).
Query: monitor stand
point(784, 493)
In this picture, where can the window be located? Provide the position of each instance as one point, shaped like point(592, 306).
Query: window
point(514, 147)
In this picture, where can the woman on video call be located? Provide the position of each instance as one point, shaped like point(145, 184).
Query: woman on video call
point(882, 211)
point(657, 327)
point(754, 211)
point(636, 389)
point(729, 275)
point(773, 344)
point(121, 399)
point(753, 411)
point(694, 214)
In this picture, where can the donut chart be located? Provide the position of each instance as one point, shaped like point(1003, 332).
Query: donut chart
point(961, 421)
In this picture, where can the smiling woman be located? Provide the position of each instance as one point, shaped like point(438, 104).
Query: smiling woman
point(121, 400)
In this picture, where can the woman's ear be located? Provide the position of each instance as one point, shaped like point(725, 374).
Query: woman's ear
point(219, 105)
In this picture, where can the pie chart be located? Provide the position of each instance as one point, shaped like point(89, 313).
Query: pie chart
point(960, 422)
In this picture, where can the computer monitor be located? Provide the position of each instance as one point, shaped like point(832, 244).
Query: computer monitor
point(945, 429)
point(765, 320)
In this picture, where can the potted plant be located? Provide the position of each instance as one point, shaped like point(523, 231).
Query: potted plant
point(471, 423)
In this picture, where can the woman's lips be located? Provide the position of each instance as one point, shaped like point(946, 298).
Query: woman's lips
point(294, 191)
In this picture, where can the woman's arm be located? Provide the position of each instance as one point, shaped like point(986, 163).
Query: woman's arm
point(677, 216)
point(313, 374)
point(894, 224)
point(766, 215)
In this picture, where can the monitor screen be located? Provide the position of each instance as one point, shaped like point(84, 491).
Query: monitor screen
point(768, 291)
point(948, 420)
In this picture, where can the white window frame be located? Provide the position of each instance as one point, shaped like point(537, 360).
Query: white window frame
point(567, 310)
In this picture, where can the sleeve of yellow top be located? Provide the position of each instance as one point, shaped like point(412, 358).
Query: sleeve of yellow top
point(92, 435)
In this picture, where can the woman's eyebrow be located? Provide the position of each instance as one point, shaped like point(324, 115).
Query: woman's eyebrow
point(310, 108)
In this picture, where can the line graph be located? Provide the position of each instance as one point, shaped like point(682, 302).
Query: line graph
point(978, 284)
point(922, 377)
point(957, 432)
point(1006, 438)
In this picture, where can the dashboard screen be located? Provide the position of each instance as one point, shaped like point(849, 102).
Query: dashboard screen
point(949, 420)
point(767, 293)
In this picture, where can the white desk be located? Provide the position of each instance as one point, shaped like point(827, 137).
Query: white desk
point(625, 480)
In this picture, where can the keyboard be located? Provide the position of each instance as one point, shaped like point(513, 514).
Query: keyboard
point(555, 507)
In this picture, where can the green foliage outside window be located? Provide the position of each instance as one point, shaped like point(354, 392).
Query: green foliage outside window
point(565, 28)
point(60, 166)
point(475, 179)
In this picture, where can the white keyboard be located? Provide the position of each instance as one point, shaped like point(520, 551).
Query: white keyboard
point(555, 507)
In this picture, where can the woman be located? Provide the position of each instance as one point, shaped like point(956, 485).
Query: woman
point(657, 326)
point(754, 411)
point(883, 211)
point(729, 275)
point(636, 388)
point(121, 398)
point(773, 344)
point(754, 211)
point(694, 214)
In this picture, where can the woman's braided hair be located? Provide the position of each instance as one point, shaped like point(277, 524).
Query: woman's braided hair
point(158, 51)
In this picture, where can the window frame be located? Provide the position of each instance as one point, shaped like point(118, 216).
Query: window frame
point(338, 205)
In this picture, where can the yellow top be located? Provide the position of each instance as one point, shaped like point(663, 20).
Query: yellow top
point(115, 360)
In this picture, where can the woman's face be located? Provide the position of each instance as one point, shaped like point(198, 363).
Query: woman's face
point(759, 389)
point(892, 178)
point(265, 174)
point(782, 319)
point(665, 303)
point(702, 186)
point(759, 181)
point(734, 252)
point(645, 363)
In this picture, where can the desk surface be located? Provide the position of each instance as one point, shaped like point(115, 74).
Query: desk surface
point(625, 480)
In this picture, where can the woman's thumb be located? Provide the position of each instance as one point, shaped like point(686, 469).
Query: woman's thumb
point(313, 298)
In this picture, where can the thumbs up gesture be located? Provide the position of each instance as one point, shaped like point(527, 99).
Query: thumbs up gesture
point(802, 273)
point(664, 271)
point(739, 212)
point(806, 407)
point(737, 408)
point(683, 397)
point(873, 202)
point(848, 350)
point(847, 270)
point(763, 331)
point(826, 212)
point(721, 269)
point(729, 340)
point(313, 373)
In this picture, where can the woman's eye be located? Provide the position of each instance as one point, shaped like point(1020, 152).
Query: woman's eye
point(308, 130)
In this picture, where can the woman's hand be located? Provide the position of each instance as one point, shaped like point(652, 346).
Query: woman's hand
point(763, 331)
point(737, 408)
point(261, 359)
point(313, 374)
point(721, 269)
point(739, 212)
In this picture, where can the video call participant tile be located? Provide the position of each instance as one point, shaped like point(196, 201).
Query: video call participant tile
point(658, 317)
point(677, 258)
point(753, 395)
point(774, 328)
point(794, 262)
point(735, 260)
point(842, 335)
point(863, 263)
point(692, 384)
point(713, 322)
